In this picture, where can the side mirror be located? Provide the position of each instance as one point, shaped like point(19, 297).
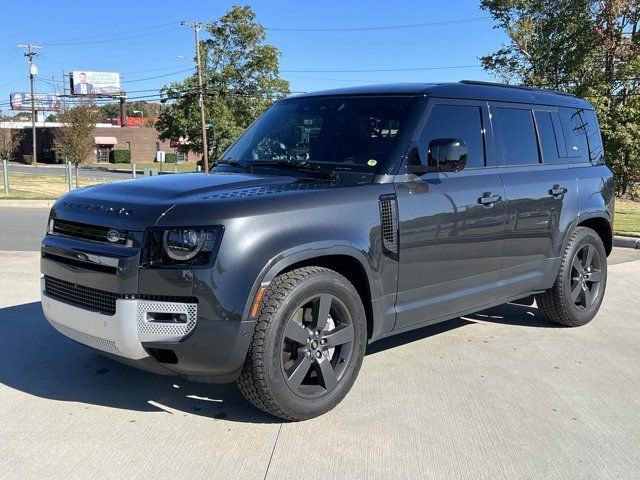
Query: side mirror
point(443, 155)
point(447, 154)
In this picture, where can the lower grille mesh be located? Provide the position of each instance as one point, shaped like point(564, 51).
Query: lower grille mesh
point(98, 300)
point(86, 297)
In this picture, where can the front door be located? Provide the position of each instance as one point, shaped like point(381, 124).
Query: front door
point(103, 154)
point(451, 237)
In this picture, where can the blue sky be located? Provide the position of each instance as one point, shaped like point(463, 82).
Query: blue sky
point(144, 39)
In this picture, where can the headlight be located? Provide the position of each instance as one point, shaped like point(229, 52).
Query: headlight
point(181, 247)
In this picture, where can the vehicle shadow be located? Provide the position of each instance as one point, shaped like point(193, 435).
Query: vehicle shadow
point(39, 361)
point(507, 314)
point(512, 314)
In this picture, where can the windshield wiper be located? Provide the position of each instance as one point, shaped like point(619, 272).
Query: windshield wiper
point(303, 166)
point(247, 167)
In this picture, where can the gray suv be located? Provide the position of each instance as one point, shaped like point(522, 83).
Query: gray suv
point(337, 219)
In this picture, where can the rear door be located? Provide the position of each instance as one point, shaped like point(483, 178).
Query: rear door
point(541, 193)
point(451, 239)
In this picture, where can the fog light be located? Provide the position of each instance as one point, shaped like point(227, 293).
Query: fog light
point(164, 317)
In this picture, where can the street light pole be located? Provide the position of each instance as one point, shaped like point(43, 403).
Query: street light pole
point(33, 70)
point(196, 26)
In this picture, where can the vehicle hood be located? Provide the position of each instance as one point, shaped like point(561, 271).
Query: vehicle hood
point(136, 204)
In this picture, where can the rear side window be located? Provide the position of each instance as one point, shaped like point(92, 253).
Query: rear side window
point(458, 121)
point(575, 135)
point(517, 142)
point(548, 140)
point(594, 140)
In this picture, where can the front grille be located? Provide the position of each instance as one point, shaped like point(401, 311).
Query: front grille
point(85, 297)
point(89, 232)
point(98, 300)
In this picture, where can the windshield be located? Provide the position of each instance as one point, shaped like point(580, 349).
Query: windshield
point(337, 133)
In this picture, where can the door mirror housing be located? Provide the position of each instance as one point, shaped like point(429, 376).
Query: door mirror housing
point(443, 155)
point(447, 154)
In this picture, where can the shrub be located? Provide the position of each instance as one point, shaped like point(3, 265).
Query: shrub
point(28, 159)
point(170, 157)
point(119, 156)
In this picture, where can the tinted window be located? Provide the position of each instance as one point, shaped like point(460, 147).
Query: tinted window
point(575, 134)
point(460, 122)
point(345, 133)
point(594, 140)
point(547, 136)
point(516, 136)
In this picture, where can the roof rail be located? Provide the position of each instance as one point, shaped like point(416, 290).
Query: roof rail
point(519, 87)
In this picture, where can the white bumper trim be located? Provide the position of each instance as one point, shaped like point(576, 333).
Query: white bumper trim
point(118, 334)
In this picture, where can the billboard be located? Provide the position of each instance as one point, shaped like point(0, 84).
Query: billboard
point(84, 82)
point(42, 101)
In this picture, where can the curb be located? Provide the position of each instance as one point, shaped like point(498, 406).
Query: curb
point(27, 203)
point(627, 242)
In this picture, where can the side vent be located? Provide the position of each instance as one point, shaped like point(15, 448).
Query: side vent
point(389, 224)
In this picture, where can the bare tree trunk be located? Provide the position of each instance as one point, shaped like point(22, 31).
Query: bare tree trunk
point(77, 183)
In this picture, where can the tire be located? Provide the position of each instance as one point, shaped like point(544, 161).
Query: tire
point(308, 344)
point(579, 288)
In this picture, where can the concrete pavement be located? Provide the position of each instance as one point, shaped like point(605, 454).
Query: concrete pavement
point(498, 395)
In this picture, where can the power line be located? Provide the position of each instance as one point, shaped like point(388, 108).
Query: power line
point(106, 36)
point(382, 27)
point(409, 69)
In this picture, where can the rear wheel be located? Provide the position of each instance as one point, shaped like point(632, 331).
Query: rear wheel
point(308, 344)
point(577, 293)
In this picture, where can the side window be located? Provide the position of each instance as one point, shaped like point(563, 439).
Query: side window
point(458, 121)
point(517, 140)
point(548, 139)
point(594, 140)
point(575, 135)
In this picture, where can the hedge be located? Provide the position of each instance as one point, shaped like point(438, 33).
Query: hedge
point(170, 157)
point(119, 156)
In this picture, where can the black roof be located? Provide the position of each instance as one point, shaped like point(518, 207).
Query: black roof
point(467, 89)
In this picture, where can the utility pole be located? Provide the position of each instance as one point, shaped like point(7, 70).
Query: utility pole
point(196, 26)
point(33, 70)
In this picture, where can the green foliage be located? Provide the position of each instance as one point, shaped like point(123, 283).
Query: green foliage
point(587, 47)
point(74, 140)
point(240, 81)
point(119, 156)
point(149, 109)
point(170, 157)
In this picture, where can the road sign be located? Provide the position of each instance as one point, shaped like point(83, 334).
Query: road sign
point(160, 156)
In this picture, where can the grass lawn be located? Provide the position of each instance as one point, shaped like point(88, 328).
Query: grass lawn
point(27, 186)
point(627, 218)
point(167, 167)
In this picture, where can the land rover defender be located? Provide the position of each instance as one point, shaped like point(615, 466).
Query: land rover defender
point(337, 219)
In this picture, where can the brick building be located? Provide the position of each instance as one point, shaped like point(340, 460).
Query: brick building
point(143, 142)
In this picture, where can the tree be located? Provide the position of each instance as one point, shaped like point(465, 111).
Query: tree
point(10, 138)
point(240, 81)
point(587, 47)
point(74, 139)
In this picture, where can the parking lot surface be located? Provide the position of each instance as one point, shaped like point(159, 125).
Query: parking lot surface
point(502, 394)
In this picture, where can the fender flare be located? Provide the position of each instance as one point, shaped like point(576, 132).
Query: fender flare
point(581, 218)
point(305, 252)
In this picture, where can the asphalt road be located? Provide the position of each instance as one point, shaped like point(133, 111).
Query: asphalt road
point(502, 394)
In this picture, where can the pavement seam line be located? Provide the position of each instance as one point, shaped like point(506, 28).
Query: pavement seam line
point(275, 444)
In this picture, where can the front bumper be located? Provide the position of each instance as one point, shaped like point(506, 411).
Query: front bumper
point(121, 334)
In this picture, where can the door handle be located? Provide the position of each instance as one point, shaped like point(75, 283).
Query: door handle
point(557, 191)
point(488, 200)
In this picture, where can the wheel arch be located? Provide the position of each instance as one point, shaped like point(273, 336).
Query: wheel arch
point(603, 227)
point(345, 260)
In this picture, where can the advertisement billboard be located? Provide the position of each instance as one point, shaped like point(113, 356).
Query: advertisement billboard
point(42, 101)
point(84, 82)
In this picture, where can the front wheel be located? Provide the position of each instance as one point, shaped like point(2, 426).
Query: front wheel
point(577, 293)
point(308, 344)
